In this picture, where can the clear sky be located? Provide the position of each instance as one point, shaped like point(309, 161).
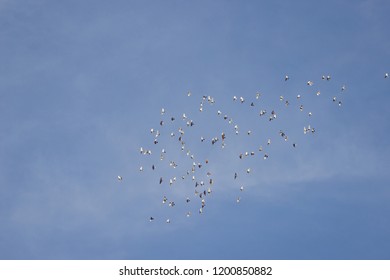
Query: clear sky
point(83, 82)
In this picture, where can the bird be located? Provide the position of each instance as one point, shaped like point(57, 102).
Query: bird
point(120, 178)
point(386, 75)
point(189, 165)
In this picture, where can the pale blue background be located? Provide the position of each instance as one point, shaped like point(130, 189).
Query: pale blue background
point(82, 82)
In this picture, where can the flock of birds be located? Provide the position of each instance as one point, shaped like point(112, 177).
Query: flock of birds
point(170, 160)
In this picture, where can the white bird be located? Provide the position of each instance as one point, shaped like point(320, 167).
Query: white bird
point(318, 93)
point(310, 83)
point(234, 98)
point(265, 156)
point(162, 111)
point(343, 88)
point(238, 199)
point(242, 100)
point(386, 75)
point(281, 98)
point(269, 142)
point(310, 114)
point(168, 221)
point(286, 78)
point(298, 96)
point(189, 93)
point(141, 168)
point(248, 170)
point(151, 219)
point(120, 178)
point(241, 188)
point(258, 95)
point(188, 214)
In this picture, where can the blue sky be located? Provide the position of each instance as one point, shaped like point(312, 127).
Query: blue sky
point(82, 83)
